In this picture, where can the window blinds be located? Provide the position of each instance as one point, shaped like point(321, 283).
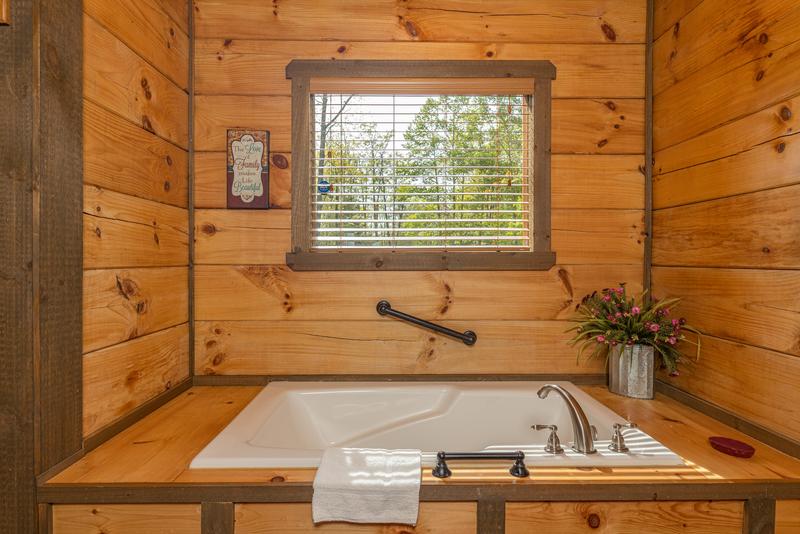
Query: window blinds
point(413, 171)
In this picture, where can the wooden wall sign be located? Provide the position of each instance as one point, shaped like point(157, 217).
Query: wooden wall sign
point(248, 169)
point(5, 12)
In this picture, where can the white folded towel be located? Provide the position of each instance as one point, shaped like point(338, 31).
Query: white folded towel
point(367, 486)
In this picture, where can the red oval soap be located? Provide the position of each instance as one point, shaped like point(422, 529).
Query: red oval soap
point(732, 447)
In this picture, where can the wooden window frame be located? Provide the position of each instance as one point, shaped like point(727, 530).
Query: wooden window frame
point(303, 258)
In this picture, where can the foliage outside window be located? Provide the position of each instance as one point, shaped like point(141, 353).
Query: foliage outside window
point(402, 177)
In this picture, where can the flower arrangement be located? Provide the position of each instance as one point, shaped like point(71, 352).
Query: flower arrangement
point(609, 318)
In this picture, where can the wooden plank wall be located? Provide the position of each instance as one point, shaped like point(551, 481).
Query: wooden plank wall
point(135, 214)
point(255, 316)
point(727, 197)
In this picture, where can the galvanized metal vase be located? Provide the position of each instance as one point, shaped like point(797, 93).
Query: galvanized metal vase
point(631, 370)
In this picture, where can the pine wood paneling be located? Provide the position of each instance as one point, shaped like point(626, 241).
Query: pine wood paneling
point(579, 125)
point(758, 384)
point(295, 518)
point(767, 125)
point(580, 236)
point(237, 236)
point(248, 67)
point(719, 517)
point(578, 181)
point(668, 12)
point(597, 21)
point(756, 230)
point(148, 31)
point(119, 378)
point(263, 292)
point(210, 180)
point(726, 195)
point(352, 347)
point(740, 31)
point(178, 10)
point(773, 163)
point(787, 517)
point(242, 50)
point(126, 518)
point(123, 157)
point(119, 80)
point(121, 304)
point(755, 306)
point(718, 94)
point(124, 231)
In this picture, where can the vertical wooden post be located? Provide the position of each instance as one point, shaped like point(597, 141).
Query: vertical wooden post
point(648, 151)
point(542, 111)
point(759, 516)
point(491, 515)
point(216, 518)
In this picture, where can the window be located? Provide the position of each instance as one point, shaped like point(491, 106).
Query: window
point(420, 165)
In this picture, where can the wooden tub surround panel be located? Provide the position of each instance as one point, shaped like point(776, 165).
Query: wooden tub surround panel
point(725, 197)
point(135, 216)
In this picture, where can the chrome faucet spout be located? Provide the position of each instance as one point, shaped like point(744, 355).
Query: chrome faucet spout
point(583, 433)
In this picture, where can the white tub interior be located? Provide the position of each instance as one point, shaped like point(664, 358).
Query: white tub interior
point(289, 424)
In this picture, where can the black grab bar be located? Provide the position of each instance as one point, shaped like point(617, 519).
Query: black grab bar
point(519, 470)
point(469, 337)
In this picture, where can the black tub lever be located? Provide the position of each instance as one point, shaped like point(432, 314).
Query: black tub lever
point(384, 308)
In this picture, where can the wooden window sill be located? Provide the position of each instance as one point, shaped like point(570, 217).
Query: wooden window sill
point(421, 261)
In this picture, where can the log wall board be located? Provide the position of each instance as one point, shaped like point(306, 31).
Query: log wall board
point(135, 216)
point(725, 193)
point(254, 316)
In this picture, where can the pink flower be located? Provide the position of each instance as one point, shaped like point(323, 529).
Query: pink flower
point(666, 311)
point(606, 298)
point(618, 315)
point(654, 327)
point(601, 339)
point(672, 340)
point(635, 310)
point(675, 322)
point(674, 373)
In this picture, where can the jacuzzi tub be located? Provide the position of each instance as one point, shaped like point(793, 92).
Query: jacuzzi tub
point(288, 424)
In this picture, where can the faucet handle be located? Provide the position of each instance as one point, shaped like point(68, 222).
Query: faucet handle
point(617, 440)
point(553, 445)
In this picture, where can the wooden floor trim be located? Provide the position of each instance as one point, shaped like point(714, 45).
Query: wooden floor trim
point(761, 433)
point(759, 516)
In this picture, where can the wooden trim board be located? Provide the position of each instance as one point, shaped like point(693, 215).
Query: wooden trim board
point(262, 380)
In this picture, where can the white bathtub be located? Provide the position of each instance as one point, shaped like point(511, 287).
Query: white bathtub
point(288, 424)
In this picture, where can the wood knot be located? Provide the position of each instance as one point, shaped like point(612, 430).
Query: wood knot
point(759, 75)
point(218, 330)
point(218, 359)
point(168, 159)
point(127, 287)
point(211, 343)
point(763, 38)
point(167, 185)
point(601, 143)
point(172, 32)
point(608, 31)
point(593, 520)
point(411, 29)
point(489, 53)
point(342, 49)
point(780, 147)
point(786, 113)
point(280, 161)
point(277, 479)
point(132, 377)
point(147, 125)
point(765, 250)
point(141, 307)
point(98, 232)
point(227, 42)
point(146, 88)
point(611, 105)
point(155, 239)
point(676, 29)
point(378, 264)
point(616, 126)
point(208, 229)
